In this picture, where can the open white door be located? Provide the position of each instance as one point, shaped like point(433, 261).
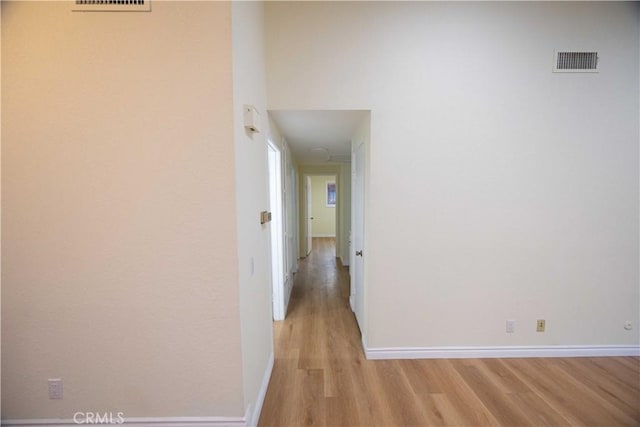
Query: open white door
point(357, 227)
point(309, 216)
point(294, 220)
point(277, 232)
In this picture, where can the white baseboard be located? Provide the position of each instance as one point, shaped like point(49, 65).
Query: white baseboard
point(345, 264)
point(149, 422)
point(364, 344)
point(257, 409)
point(500, 352)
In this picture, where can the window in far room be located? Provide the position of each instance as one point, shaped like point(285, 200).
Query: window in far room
point(331, 194)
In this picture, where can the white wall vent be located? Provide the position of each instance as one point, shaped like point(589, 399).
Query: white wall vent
point(112, 6)
point(575, 62)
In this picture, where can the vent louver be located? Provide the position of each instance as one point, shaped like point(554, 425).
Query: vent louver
point(576, 62)
point(112, 6)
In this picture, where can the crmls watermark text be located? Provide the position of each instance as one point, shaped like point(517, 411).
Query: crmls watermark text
point(98, 418)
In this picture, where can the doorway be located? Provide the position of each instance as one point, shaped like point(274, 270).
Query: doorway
point(325, 143)
point(322, 199)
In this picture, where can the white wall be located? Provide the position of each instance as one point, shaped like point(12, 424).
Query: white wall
point(324, 217)
point(119, 258)
point(498, 190)
point(252, 195)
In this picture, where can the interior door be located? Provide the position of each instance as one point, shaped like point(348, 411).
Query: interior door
point(357, 256)
point(309, 216)
point(294, 220)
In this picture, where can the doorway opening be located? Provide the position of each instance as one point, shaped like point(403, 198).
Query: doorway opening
point(321, 195)
point(330, 146)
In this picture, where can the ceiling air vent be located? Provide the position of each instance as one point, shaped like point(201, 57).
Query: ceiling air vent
point(576, 62)
point(112, 6)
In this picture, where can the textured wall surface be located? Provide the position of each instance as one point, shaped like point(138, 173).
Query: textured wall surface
point(119, 218)
point(498, 189)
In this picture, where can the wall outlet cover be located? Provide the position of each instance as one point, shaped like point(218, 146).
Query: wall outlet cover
point(55, 388)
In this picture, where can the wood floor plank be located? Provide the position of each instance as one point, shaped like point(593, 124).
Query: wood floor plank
point(561, 394)
point(589, 393)
point(364, 405)
point(538, 412)
point(426, 406)
point(491, 396)
point(321, 377)
point(281, 403)
point(422, 377)
point(313, 409)
point(446, 410)
point(406, 408)
point(618, 370)
point(632, 363)
point(461, 395)
point(343, 409)
point(382, 413)
point(624, 398)
point(502, 376)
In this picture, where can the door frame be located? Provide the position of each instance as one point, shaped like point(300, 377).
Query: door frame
point(308, 199)
point(276, 228)
point(318, 170)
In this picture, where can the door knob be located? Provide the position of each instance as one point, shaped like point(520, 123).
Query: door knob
point(358, 253)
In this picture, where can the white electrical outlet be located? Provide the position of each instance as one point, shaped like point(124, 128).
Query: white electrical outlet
point(511, 326)
point(55, 388)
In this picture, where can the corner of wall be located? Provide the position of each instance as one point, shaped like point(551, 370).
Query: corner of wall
point(252, 197)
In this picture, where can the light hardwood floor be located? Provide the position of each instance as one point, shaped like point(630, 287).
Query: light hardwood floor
point(321, 376)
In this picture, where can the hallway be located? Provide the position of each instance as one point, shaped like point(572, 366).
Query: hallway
point(317, 348)
point(321, 376)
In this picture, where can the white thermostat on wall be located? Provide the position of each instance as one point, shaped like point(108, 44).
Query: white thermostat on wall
point(251, 118)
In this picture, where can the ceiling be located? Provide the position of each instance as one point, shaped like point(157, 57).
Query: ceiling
point(318, 136)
